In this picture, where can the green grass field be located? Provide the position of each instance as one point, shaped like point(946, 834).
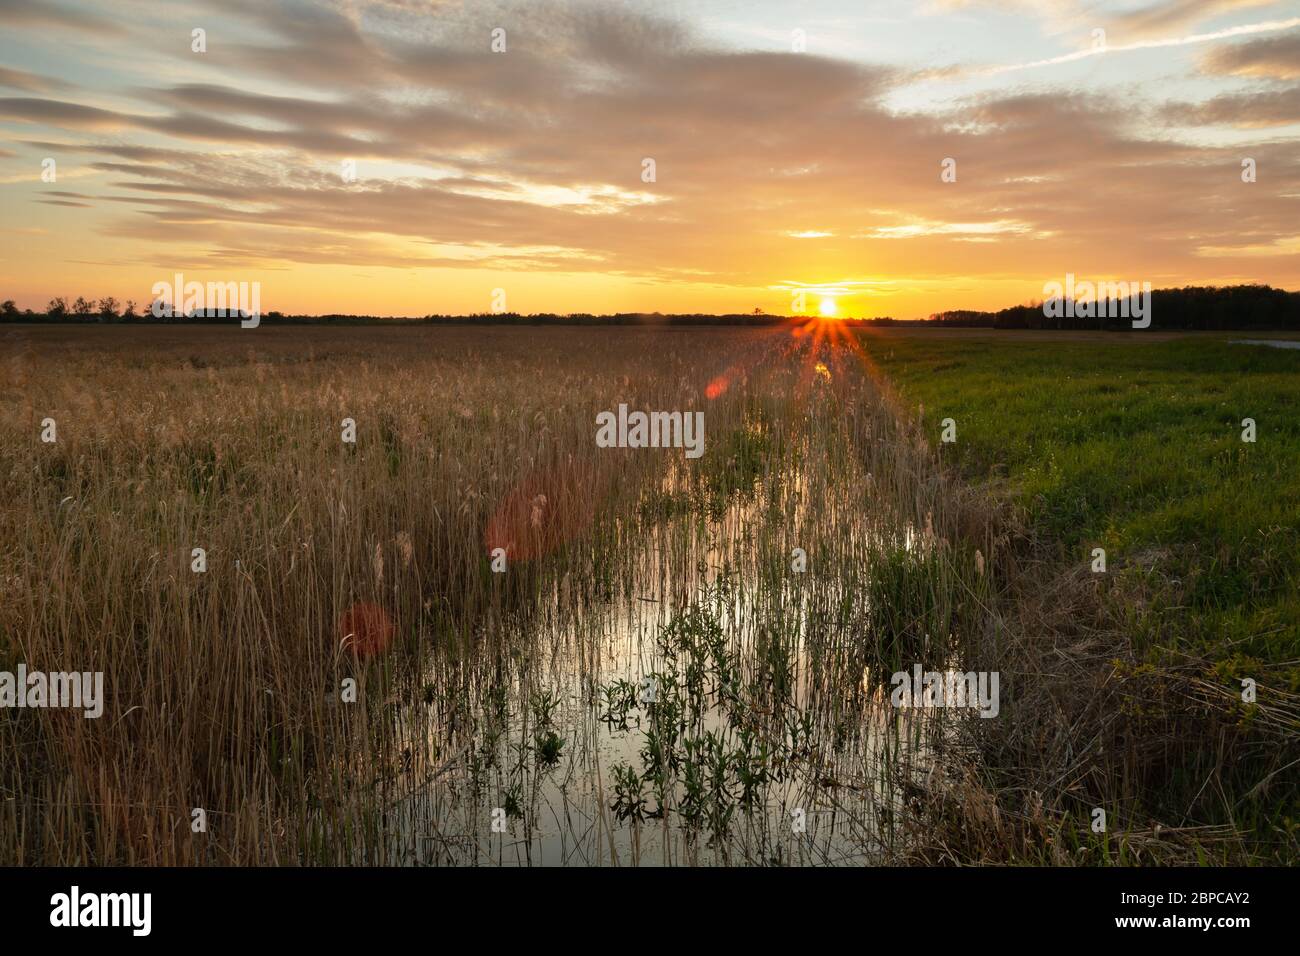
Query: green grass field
point(1134, 445)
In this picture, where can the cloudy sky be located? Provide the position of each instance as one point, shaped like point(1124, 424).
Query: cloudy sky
point(795, 145)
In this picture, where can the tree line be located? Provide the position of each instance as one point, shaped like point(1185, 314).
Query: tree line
point(1239, 307)
point(1205, 308)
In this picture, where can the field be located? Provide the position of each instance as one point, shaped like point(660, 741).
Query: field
point(1134, 444)
point(472, 635)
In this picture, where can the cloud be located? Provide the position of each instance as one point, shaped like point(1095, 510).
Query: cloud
point(1273, 58)
point(29, 82)
point(48, 14)
point(1172, 16)
point(1243, 110)
point(967, 230)
point(61, 114)
point(533, 159)
point(1109, 49)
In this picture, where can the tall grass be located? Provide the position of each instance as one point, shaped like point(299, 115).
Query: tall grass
point(223, 687)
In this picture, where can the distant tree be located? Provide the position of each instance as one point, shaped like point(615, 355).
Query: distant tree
point(129, 311)
point(83, 307)
point(9, 308)
point(108, 307)
point(57, 307)
point(1192, 307)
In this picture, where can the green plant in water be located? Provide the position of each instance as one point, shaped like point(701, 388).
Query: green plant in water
point(548, 747)
point(629, 802)
point(544, 705)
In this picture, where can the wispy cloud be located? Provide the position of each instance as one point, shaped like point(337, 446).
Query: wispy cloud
point(1247, 29)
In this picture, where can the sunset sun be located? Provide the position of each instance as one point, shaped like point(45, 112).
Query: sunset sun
point(827, 307)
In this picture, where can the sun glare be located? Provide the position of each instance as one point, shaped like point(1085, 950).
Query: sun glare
point(828, 307)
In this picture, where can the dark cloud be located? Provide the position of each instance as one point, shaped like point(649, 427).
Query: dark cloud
point(60, 113)
point(1270, 107)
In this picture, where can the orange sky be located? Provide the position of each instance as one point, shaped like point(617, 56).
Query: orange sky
point(795, 146)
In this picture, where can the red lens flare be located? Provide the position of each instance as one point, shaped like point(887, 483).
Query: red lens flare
point(365, 629)
point(544, 510)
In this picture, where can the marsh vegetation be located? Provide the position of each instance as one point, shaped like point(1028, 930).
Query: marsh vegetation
point(680, 660)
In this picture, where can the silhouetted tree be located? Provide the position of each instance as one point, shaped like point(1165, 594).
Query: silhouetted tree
point(1192, 307)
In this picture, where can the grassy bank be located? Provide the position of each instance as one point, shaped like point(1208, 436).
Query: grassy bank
point(1134, 445)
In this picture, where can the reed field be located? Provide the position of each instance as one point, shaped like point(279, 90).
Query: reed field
point(475, 636)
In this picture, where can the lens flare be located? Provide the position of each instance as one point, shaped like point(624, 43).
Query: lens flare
point(365, 629)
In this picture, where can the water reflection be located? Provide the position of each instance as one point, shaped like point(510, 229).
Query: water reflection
point(696, 702)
